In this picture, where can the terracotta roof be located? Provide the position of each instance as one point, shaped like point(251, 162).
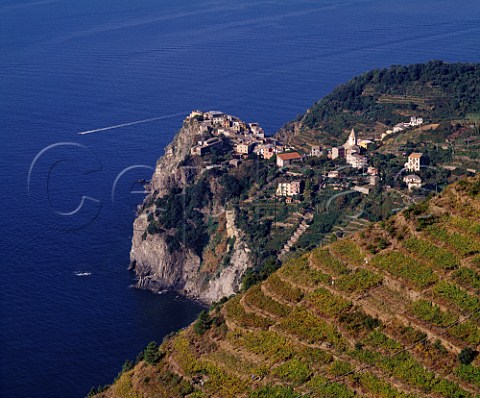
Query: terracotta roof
point(289, 156)
point(415, 155)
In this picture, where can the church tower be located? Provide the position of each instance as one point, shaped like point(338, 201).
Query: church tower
point(352, 139)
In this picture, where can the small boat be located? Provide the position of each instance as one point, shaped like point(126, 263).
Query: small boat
point(82, 273)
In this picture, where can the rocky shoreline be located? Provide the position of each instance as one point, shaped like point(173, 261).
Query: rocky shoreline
point(158, 268)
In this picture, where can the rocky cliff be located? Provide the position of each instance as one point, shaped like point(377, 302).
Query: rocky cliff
point(207, 271)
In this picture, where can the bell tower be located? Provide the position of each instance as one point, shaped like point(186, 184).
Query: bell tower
point(352, 139)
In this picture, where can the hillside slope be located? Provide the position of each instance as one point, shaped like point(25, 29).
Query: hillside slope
point(383, 97)
point(393, 311)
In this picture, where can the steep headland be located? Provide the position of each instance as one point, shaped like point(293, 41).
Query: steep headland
point(180, 220)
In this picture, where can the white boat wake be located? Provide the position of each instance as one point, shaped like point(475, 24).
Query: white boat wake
point(117, 126)
point(82, 273)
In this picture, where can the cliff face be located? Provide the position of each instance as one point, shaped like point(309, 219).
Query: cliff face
point(159, 267)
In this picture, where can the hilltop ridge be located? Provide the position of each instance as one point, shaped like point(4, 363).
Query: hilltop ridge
point(376, 100)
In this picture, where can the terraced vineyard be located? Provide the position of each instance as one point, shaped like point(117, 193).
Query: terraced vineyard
point(392, 311)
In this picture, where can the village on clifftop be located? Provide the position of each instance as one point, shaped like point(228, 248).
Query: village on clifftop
point(249, 139)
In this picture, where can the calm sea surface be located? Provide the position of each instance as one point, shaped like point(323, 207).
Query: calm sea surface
point(68, 316)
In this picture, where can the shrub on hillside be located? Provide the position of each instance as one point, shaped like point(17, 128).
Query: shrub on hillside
point(467, 355)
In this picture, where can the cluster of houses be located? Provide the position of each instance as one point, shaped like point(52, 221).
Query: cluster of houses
point(249, 138)
point(353, 151)
point(414, 122)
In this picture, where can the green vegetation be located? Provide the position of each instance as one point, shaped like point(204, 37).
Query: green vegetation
point(228, 360)
point(378, 387)
point(332, 322)
point(407, 268)
point(269, 344)
point(349, 251)
point(175, 383)
point(97, 390)
point(236, 312)
point(293, 371)
point(322, 387)
point(179, 211)
point(358, 281)
point(469, 373)
point(339, 368)
point(311, 329)
point(299, 272)
point(295, 333)
point(428, 312)
point(151, 354)
point(203, 323)
point(256, 298)
point(327, 304)
point(467, 355)
point(467, 277)
point(436, 89)
point(476, 261)
point(403, 366)
point(462, 244)
point(322, 258)
point(358, 322)
point(453, 294)
point(260, 272)
point(274, 392)
point(466, 331)
point(378, 340)
point(284, 290)
point(471, 188)
point(466, 226)
point(437, 256)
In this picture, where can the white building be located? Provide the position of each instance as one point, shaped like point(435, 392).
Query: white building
point(204, 147)
point(316, 150)
point(195, 113)
point(289, 188)
point(357, 161)
point(413, 181)
point(416, 121)
point(333, 174)
point(266, 151)
point(414, 161)
point(338, 152)
point(218, 118)
point(244, 148)
point(365, 189)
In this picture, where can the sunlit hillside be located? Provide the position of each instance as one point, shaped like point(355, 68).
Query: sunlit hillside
point(392, 311)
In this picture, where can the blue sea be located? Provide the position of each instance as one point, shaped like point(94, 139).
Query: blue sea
point(69, 318)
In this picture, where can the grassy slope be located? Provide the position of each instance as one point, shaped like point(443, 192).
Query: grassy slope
point(374, 100)
point(381, 314)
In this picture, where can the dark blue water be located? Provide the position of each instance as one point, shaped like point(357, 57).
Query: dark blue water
point(68, 66)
